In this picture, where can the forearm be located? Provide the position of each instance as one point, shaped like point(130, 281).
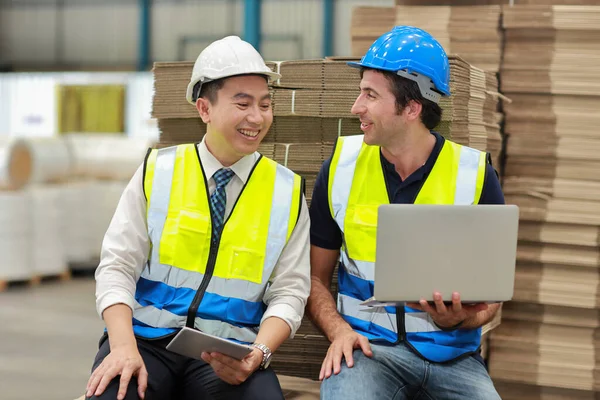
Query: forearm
point(290, 281)
point(118, 319)
point(481, 318)
point(322, 310)
point(273, 332)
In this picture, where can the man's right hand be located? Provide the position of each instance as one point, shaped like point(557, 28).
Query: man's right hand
point(343, 345)
point(125, 361)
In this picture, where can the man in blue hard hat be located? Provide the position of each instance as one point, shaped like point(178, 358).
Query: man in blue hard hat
point(425, 351)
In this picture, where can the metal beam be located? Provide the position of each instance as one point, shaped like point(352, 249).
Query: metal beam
point(328, 25)
point(144, 39)
point(252, 22)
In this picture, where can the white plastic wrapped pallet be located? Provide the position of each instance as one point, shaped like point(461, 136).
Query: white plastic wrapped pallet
point(48, 247)
point(86, 209)
point(106, 156)
point(51, 161)
point(78, 208)
point(15, 236)
point(109, 194)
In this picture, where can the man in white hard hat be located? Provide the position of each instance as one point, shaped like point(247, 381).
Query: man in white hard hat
point(212, 236)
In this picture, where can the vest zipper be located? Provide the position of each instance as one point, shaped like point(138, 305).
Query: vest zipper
point(400, 322)
point(210, 268)
point(214, 249)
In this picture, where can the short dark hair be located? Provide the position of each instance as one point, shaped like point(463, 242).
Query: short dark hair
point(404, 91)
point(210, 89)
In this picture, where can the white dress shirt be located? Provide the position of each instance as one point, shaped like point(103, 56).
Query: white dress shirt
point(126, 247)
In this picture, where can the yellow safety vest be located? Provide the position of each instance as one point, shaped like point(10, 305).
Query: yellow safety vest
point(356, 189)
point(189, 280)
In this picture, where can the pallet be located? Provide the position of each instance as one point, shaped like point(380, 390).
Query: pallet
point(34, 280)
point(84, 267)
point(62, 277)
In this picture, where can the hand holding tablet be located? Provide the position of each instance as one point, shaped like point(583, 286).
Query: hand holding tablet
point(192, 343)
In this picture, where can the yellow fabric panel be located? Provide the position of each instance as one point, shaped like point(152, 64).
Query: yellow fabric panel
point(436, 189)
point(295, 210)
point(186, 238)
point(367, 194)
point(242, 256)
point(480, 176)
point(333, 167)
point(369, 191)
point(440, 185)
point(186, 235)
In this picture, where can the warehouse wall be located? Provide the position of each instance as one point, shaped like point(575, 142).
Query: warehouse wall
point(82, 32)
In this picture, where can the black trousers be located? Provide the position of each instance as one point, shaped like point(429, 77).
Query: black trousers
point(175, 377)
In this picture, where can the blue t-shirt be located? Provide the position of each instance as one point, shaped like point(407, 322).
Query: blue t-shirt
point(324, 231)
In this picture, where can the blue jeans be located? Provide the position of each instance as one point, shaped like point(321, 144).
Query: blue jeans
point(397, 373)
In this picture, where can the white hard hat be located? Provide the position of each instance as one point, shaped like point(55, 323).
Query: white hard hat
point(229, 56)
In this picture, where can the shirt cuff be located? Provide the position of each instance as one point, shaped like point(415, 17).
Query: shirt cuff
point(112, 298)
point(285, 312)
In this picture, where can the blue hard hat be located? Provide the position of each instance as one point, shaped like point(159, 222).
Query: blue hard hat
point(413, 54)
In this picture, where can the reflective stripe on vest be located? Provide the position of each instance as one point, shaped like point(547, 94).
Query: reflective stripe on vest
point(232, 305)
point(356, 189)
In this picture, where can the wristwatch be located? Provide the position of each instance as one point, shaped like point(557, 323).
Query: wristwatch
point(266, 355)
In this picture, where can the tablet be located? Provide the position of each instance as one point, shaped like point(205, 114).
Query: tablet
point(192, 343)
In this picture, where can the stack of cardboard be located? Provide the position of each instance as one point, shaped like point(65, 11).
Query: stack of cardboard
point(553, 158)
point(367, 24)
point(471, 32)
point(545, 352)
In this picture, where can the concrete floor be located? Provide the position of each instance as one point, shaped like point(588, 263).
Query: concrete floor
point(49, 337)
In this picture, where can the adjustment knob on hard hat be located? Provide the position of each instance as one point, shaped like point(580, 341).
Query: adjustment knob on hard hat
point(227, 57)
point(413, 54)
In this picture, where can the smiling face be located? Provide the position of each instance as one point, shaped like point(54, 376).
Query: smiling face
point(382, 119)
point(238, 119)
point(376, 107)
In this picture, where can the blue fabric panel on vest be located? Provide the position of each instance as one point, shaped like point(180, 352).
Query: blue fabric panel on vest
point(371, 331)
point(444, 346)
point(237, 312)
point(213, 306)
point(143, 330)
point(455, 338)
point(354, 286)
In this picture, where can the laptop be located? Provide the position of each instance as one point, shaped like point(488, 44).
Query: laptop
point(469, 249)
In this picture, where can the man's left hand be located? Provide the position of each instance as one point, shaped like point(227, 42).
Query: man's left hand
point(448, 316)
point(232, 371)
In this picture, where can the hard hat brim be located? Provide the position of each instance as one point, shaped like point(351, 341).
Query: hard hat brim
point(272, 76)
point(359, 64)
